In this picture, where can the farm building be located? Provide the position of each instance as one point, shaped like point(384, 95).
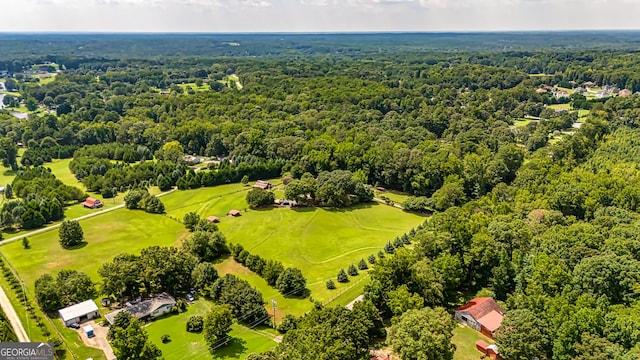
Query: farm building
point(624, 92)
point(213, 219)
point(488, 350)
point(234, 213)
point(92, 203)
point(78, 313)
point(147, 309)
point(263, 185)
point(482, 314)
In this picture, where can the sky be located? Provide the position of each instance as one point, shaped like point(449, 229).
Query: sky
point(315, 15)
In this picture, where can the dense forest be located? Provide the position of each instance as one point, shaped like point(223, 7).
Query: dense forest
point(534, 190)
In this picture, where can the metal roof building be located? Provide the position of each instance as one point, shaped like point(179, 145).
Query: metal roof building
point(80, 312)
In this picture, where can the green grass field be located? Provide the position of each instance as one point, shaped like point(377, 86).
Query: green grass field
point(185, 345)
point(395, 196)
point(203, 87)
point(106, 236)
point(560, 106)
point(465, 339)
point(318, 241)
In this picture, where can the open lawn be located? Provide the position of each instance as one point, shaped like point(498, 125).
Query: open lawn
point(203, 87)
point(465, 339)
point(318, 241)
point(60, 168)
point(520, 123)
point(286, 305)
point(560, 106)
point(395, 196)
point(185, 345)
point(106, 236)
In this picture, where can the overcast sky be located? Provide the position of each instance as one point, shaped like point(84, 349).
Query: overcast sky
point(315, 15)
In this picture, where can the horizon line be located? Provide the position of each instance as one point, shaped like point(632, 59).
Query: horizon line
point(350, 32)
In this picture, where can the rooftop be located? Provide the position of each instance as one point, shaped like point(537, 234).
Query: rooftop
point(78, 310)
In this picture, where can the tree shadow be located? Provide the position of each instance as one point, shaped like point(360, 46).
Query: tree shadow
point(231, 350)
point(77, 247)
point(304, 295)
point(303, 209)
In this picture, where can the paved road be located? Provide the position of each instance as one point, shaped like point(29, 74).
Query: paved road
point(14, 320)
point(4, 300)
point(350, 305)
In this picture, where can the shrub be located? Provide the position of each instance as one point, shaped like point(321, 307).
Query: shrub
point(165, 338)
point(289, 322)
point(362, 265)
point(330, 284)
point(195, 324)
point(372, 259)
point(342, 276)
point(352, 270)
point(389, 249)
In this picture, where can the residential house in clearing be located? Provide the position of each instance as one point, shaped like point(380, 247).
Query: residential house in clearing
point(213, 219)
point(80, 312)
point(482, 314)
point(92, 203)
point(580, 90)
point(625, 93)
point(147, 309)
point(263, 185)
point(561, 94)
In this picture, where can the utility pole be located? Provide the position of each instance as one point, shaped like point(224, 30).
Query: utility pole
point(275, 306)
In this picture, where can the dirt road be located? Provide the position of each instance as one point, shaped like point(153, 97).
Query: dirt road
point(14, 320)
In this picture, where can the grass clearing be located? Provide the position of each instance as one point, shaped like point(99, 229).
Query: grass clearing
point(395, 196)
point(203, 87)
point(186, 345)
point(465, 339)
point(520, 123)
point(107, 235)
point(560, 106)
point(286, 305)
point(317, 241)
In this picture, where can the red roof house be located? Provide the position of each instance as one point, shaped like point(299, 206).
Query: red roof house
point(92, 203)
point(234, 213)
point(213, 219)
point(263, 185)
point(482, 314)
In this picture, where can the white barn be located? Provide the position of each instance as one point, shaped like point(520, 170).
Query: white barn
point(78, 313)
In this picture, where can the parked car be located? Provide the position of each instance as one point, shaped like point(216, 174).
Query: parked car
point(190, 297)
point(75, 326)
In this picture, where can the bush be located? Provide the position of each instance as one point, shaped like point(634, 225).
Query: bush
point(342, 276)
point(352, 270)
point(372, 259)
point(331, 285)
point(289, 322)
point(380, 254)
point(165, 338)
point(389, 249)
point(195, 324)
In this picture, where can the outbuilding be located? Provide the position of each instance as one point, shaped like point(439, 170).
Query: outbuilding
point(92, 203)
point(213, 219)
point(78, 313)
point(89, 331)
point(234, 213)
point(482, 314)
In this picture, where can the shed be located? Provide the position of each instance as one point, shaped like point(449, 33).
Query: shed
point(78, 313)
point(380, 188)
point(89, 331)
point(213, 219)
point(234, 213)
point(264, 185)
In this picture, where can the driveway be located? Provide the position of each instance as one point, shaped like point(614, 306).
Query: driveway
point(99, 341)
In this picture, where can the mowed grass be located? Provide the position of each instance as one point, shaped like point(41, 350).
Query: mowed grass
point(317, 241)
point(60, 168)
point(465, 339)
point(185, 345)
point(286, 305)
point(395, 196)
point(107, 235)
